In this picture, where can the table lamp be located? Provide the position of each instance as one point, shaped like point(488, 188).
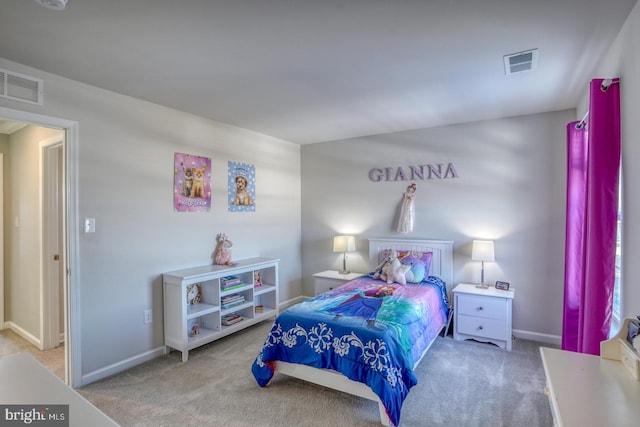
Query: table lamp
point(344, 244)
point(482, 251)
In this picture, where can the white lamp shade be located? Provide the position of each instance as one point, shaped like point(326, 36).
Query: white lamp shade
point(482, 250)
point(344, 244)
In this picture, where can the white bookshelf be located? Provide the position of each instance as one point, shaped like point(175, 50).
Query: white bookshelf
point(256, 304)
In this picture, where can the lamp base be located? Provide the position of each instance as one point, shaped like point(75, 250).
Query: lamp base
point(482, 286)
point(344, 272)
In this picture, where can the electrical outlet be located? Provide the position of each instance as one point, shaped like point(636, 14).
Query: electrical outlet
point(148, 317)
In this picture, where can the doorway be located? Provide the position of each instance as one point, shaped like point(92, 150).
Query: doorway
point(58, 168)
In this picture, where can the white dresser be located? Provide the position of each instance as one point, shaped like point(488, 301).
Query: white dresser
point(587, 390)
point(483, 314)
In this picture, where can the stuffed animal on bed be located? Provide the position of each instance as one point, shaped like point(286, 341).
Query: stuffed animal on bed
point(391, 270)
point(417, 268)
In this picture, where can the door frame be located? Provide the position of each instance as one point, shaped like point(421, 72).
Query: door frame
point(73, 354)
point(2, 241)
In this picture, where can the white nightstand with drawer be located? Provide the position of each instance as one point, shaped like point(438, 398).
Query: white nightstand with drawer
point(483, 314)
point(330, 279)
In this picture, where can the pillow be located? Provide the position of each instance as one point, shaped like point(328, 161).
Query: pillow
point(415, 273)
point(419, 265)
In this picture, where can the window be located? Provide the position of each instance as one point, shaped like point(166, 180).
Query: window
point(615, 312)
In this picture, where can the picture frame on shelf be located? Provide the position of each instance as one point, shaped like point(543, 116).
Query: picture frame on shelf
point(194, 294)
point(502, 285)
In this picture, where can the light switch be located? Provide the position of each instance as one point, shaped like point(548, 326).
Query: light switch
point(89, 225)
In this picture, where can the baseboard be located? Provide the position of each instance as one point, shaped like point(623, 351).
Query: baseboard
point(292, 301)
point(536, 336)
point(121, 366)
point(24, 334)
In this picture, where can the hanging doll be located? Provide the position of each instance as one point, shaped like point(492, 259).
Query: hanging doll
point(407, 212)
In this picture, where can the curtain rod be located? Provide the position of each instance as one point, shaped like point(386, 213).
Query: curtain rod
point(604, 86)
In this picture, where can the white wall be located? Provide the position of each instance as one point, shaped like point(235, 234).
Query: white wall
point(125, 175)
point(511, 188)
point(623, 60)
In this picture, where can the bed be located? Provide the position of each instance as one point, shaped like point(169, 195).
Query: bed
point(367, 336)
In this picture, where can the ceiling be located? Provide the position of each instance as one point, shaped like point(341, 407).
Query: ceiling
point(7, 127)
point(318, 70)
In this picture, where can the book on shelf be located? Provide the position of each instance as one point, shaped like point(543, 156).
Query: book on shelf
point(230, 282)
point(230, 319)
point(232, 287)
point(230, 316)
point(232, 300)
point(259, 309)
point(231, 305)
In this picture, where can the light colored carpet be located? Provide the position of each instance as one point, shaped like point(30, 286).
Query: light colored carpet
point(460, 384)
point(12, 343)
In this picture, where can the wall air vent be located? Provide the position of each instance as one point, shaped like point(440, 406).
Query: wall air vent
point(21, 87)
point(521, 62)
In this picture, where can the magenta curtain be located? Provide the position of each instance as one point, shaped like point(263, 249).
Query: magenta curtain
point(593, 164)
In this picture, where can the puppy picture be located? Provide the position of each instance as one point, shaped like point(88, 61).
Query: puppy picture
point(241, 187)
point(242, 195)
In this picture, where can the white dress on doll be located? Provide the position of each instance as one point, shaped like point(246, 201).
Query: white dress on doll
point(407, 212)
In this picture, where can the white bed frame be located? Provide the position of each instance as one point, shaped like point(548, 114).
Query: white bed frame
point(441, 266)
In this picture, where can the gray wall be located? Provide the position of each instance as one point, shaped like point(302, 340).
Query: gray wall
point(511, 188)
point(125, 180)
point(529, 232)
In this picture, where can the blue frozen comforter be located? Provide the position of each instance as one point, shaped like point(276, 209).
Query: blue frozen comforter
point(368, 330)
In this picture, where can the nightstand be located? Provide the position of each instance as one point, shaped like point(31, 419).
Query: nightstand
point(483, 314)
point(330, 279)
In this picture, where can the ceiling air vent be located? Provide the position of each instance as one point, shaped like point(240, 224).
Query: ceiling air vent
point(21, 87)
point(521, 62)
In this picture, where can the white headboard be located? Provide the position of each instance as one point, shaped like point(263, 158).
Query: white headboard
point(441, 263)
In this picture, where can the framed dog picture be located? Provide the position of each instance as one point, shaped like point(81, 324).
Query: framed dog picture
point(241, 187)
point(191, 183)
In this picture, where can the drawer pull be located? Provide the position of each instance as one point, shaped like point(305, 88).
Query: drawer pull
point(480, 327)
point(481, 308)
